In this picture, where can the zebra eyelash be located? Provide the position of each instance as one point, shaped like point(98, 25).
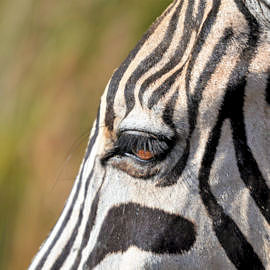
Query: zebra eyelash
point(128, 144)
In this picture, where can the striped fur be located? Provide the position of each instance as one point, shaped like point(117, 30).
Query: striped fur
point(194, 94)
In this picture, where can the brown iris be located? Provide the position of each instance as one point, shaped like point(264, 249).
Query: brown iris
point(144, 154)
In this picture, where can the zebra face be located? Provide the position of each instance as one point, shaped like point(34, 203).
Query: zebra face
point(176, 173)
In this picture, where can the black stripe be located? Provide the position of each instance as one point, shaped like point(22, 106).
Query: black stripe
point(131, 224)
point(254, 28)
point(194, 100)
point(247, 164)
point(151, 59)
point(67, 248)
point(69, 212)
point(189, 25)
point(93, 139)
point(176, 172)
point(218, 52)
point(267, 90)
point(168, 120)
point(89, 225)
point(117, 76)
point(163, 89)
point(238, 250)
point(169, 110)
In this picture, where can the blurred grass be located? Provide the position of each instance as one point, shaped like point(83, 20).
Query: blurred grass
point(55, 60)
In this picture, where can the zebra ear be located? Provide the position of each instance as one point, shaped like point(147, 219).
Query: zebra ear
point(260, 10)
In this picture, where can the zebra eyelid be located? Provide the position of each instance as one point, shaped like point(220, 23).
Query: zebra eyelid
point(141, 132)
point(129, 142)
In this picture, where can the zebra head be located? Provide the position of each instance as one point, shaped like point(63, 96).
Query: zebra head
point(177, 170)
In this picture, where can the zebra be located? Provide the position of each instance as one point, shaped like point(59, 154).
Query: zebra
point(176, 173)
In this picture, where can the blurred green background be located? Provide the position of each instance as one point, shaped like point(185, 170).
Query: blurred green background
point(55, 60)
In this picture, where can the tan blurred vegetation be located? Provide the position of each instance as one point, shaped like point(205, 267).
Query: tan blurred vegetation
point(55, 60)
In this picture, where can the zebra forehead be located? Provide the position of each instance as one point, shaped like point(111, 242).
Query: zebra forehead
point(150, 77)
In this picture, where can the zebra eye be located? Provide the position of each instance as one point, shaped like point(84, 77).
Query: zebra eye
point(140, 146)
point(144, 155)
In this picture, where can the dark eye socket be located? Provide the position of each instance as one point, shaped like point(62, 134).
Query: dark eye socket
point(142, 146)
